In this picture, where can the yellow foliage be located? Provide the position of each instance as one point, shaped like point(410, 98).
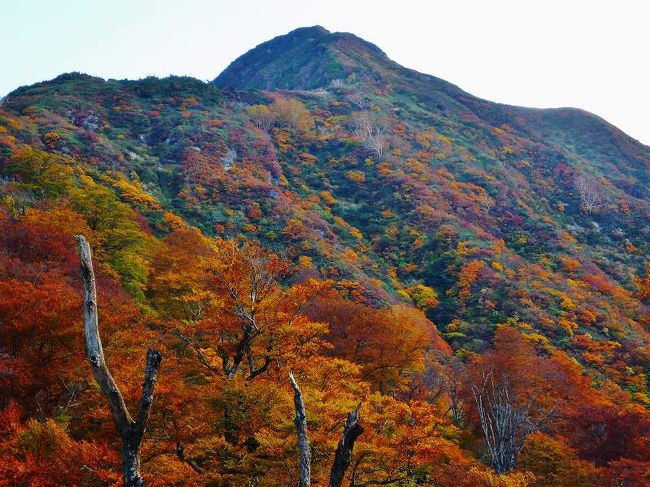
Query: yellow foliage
point(282, 139)
point(132, 191)
point(327, 197)
point(356, 233)
point(537, 339)
point(350, 255)
point(570, 264)
point(356, 176)
point(424, 297)
point(293, 113)
point(567, 304)
point(462, 248)
point(569, 326)
point(568, 237)
point(305, 261)
point(52, 139)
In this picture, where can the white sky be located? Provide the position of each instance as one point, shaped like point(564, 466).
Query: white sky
point(588, 54)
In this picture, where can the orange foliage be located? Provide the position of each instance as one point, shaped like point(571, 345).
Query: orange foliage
point(468, 275)
point(389, 343)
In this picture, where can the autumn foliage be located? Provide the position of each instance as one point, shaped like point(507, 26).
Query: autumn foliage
point(401, 252)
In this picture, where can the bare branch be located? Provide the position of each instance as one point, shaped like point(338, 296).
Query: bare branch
point(131, 432)
point(371, 129)
point(154, 357)
point(351, 431)
point(94, 347)
point(505, 421)
point(202, 358)
point(180, 453)
point(591, 193)
point(301, 430)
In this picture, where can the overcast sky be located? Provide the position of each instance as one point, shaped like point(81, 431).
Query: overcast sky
point(588, 54)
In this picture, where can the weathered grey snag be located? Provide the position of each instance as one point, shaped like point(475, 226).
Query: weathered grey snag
point(506, 422)
point(131, 432)
point(351, 432)
point(303, 439)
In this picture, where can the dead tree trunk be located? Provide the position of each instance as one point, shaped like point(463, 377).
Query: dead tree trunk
point(351, 432)
point(505, 421)
point(303, 438)
point(131, 432)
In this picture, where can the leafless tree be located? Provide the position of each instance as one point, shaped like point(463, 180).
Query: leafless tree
point(453, 386)
point(351, 431)
point(303, 437)
point(131, 431)
point(358, 100)
point(371, 129)
point(228, 159)
point(445, 377)
point(591, 193)
point(262, 116)
point(506, 421)
point(486, 201)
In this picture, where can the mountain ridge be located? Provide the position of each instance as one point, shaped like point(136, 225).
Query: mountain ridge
point(324, 47)
point(255, 62)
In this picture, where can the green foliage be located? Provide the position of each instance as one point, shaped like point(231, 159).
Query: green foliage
point(123, 243)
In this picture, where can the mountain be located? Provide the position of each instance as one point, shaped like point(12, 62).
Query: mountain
point(313, 58)
point(522, 234)
point(304, 59)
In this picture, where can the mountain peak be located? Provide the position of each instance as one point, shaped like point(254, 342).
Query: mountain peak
point(305, 58)
point(313, 30)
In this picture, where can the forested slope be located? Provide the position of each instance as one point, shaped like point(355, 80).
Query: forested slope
point(420, 249)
